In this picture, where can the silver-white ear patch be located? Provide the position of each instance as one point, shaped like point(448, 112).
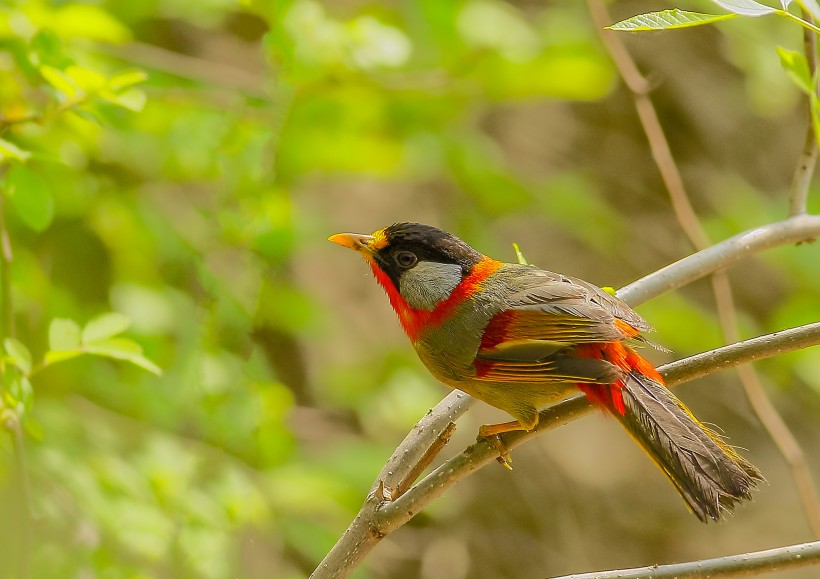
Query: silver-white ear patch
point(429, 283)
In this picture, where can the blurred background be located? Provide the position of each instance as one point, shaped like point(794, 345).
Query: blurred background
point(198, 203)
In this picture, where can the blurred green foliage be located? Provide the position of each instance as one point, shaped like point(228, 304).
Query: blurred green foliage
point(170, 170)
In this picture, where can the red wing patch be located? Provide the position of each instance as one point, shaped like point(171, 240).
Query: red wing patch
point(536, 325)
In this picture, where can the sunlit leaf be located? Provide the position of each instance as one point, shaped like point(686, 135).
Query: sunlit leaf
point(126, 79)
point(667, 20)
point(9, 150)
point(60, 81)
point(745, 7)
point(47, 49)
point(87, 21)
point(105, 326)
point(30, 197)
point(18, 354)
point(123, 349)
point(21, 391)
point(132, 99)
point(54, 356)
point(64, 334)
point(87, 79)
point(797, 68)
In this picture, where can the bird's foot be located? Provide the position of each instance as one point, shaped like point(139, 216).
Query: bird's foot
point(503, 458)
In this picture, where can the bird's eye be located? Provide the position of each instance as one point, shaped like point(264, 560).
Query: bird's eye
point(406, 259)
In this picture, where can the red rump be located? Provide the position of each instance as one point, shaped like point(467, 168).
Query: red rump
point(609, 395)
point(414, 321)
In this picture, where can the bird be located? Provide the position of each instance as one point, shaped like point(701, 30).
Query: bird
point(522, 338)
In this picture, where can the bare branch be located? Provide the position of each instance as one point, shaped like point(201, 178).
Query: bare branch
point(797, 229)
point(188, 67)
point(806, 162)
point(725, 357)
point(778, 559)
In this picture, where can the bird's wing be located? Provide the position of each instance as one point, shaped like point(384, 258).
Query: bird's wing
point(547, 315)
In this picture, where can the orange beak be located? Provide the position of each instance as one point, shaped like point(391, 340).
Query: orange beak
point(356, 241)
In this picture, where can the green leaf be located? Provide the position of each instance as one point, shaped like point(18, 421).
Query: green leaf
point(667, 20)
point(47, 48)
point(86, 21)
point(105, 326)
point(123, 349)
point(63, 334)
point(132, 99)
point(18, 354)
point(30, 196)
point(87, 79)
point(54, 356)
point(9, 150)
point(745, 7)
point(519, 255)
point(126, 79)
point(60, 81)
point(21, 391)
point(797, 68)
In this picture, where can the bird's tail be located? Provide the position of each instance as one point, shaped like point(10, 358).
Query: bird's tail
point(708, 473)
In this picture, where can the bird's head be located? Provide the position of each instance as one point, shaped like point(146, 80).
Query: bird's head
point(418, 265)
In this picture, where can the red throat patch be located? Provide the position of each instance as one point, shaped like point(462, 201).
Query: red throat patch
point(414, 321)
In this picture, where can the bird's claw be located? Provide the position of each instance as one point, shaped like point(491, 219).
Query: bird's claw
point(503, 458)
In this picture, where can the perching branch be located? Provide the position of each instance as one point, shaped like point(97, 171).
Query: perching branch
point(778, 559)
point(394, 514)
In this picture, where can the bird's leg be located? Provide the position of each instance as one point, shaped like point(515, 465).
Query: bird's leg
point(493, 430)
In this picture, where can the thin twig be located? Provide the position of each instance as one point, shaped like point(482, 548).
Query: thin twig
point(42, 117)
point(806, 162)
point(188, 67)
point(778, 559)
point(690, 223)
point(762, 405)
point(439, 443)
point(648, 116)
